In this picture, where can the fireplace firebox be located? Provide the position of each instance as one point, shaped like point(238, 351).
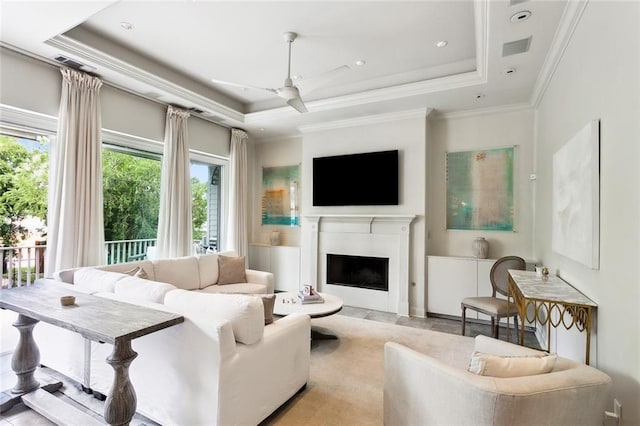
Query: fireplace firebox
point(358, 271)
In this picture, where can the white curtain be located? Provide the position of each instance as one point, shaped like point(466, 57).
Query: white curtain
point(75, 229)
point(237, 229)
point(174, 220)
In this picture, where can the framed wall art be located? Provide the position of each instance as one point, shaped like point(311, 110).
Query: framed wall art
point(576, 197)
point(280, 198)
point(480, 189)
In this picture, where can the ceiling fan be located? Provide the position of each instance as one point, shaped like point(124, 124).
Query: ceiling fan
point(290, 92)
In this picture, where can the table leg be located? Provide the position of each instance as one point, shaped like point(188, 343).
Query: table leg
point(24, 362)
point(121, 400)
point(26, 356)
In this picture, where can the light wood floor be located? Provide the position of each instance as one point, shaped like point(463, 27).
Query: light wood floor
point(21, 415)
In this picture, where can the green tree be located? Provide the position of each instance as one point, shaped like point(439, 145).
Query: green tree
point(23, 192)
point(198, 207)
point(23, 185)
point(12, 155)
point(131, 188)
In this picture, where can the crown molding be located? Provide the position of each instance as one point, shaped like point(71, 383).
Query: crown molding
point(481, 111)
point(103, 60)
point(274, 139)
point(368, 120)
point(568, 23)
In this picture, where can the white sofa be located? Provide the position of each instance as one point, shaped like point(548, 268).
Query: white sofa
point(420, 389)
point(222, 366)
point(198, 273)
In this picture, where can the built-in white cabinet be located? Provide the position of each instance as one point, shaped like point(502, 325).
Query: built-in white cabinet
point(282, 261)
point(451, 279)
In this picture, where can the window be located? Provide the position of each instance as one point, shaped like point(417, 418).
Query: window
point(206, 189)
point(131, 193)
point(131, 197)
point(24, 175)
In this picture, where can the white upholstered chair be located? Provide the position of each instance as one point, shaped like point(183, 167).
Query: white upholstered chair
point(494, 306)
point(420, 389)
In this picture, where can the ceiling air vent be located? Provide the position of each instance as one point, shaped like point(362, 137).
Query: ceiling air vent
point(73, 64)
point(515, 47)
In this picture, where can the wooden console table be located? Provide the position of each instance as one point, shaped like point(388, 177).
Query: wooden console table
point(553, 302)
point(95, 318)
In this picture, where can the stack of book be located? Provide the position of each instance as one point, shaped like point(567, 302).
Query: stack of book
point(314, 297)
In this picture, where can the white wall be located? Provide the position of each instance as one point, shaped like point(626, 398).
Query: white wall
point(458, 132)
point(409, 137)
point(273, 153)
point(599, 77)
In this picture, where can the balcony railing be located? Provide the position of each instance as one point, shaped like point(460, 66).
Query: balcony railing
point(21, 265)
point(127, 250)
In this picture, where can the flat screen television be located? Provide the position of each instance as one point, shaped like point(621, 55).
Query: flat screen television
point(365, 179)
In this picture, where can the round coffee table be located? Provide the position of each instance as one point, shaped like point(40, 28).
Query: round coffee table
point(289, 303)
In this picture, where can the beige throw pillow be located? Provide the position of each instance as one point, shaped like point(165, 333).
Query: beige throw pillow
point(231, 270)
point(511, 366)
point(268, 301)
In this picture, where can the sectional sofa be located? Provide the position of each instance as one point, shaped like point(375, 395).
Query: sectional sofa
point(222, 366)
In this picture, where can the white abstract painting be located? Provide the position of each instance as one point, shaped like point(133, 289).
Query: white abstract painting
point(576, 197)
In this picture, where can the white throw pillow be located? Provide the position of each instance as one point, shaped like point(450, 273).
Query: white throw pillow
point(511, 366)
point(208, 268)
point(246, 313)
point(96, 280)
point(181, 272)
point(139, 289)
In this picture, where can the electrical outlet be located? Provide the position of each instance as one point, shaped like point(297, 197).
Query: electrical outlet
point(617, 408)
point(615, 417)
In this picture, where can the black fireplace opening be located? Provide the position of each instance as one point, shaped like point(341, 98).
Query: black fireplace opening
point(358, 271)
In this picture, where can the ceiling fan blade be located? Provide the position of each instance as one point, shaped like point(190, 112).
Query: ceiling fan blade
point(297, 104)
point(310, 84)
point(243, 86)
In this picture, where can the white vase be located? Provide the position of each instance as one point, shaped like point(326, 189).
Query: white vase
point(275, 238)
point(480, 248)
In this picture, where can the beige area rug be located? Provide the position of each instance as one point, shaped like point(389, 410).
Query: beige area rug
point(346, 379)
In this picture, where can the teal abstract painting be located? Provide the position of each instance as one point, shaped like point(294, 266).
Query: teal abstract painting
point(280, 205)
point(480, 190)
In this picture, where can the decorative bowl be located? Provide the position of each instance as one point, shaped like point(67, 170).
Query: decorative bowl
point(67, 300)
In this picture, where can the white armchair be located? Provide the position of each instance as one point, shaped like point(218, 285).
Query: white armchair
point(422, 390)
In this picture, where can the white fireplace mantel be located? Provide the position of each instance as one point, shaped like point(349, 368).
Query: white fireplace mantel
point(393, 231)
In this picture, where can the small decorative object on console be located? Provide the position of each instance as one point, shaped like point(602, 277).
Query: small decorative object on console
point(309, 295)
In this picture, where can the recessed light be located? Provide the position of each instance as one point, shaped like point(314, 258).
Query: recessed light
point(442, 43)
point(262, 129)
point(126, 26)
point(360, 62)
point(523, 15)
point(510, 71)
